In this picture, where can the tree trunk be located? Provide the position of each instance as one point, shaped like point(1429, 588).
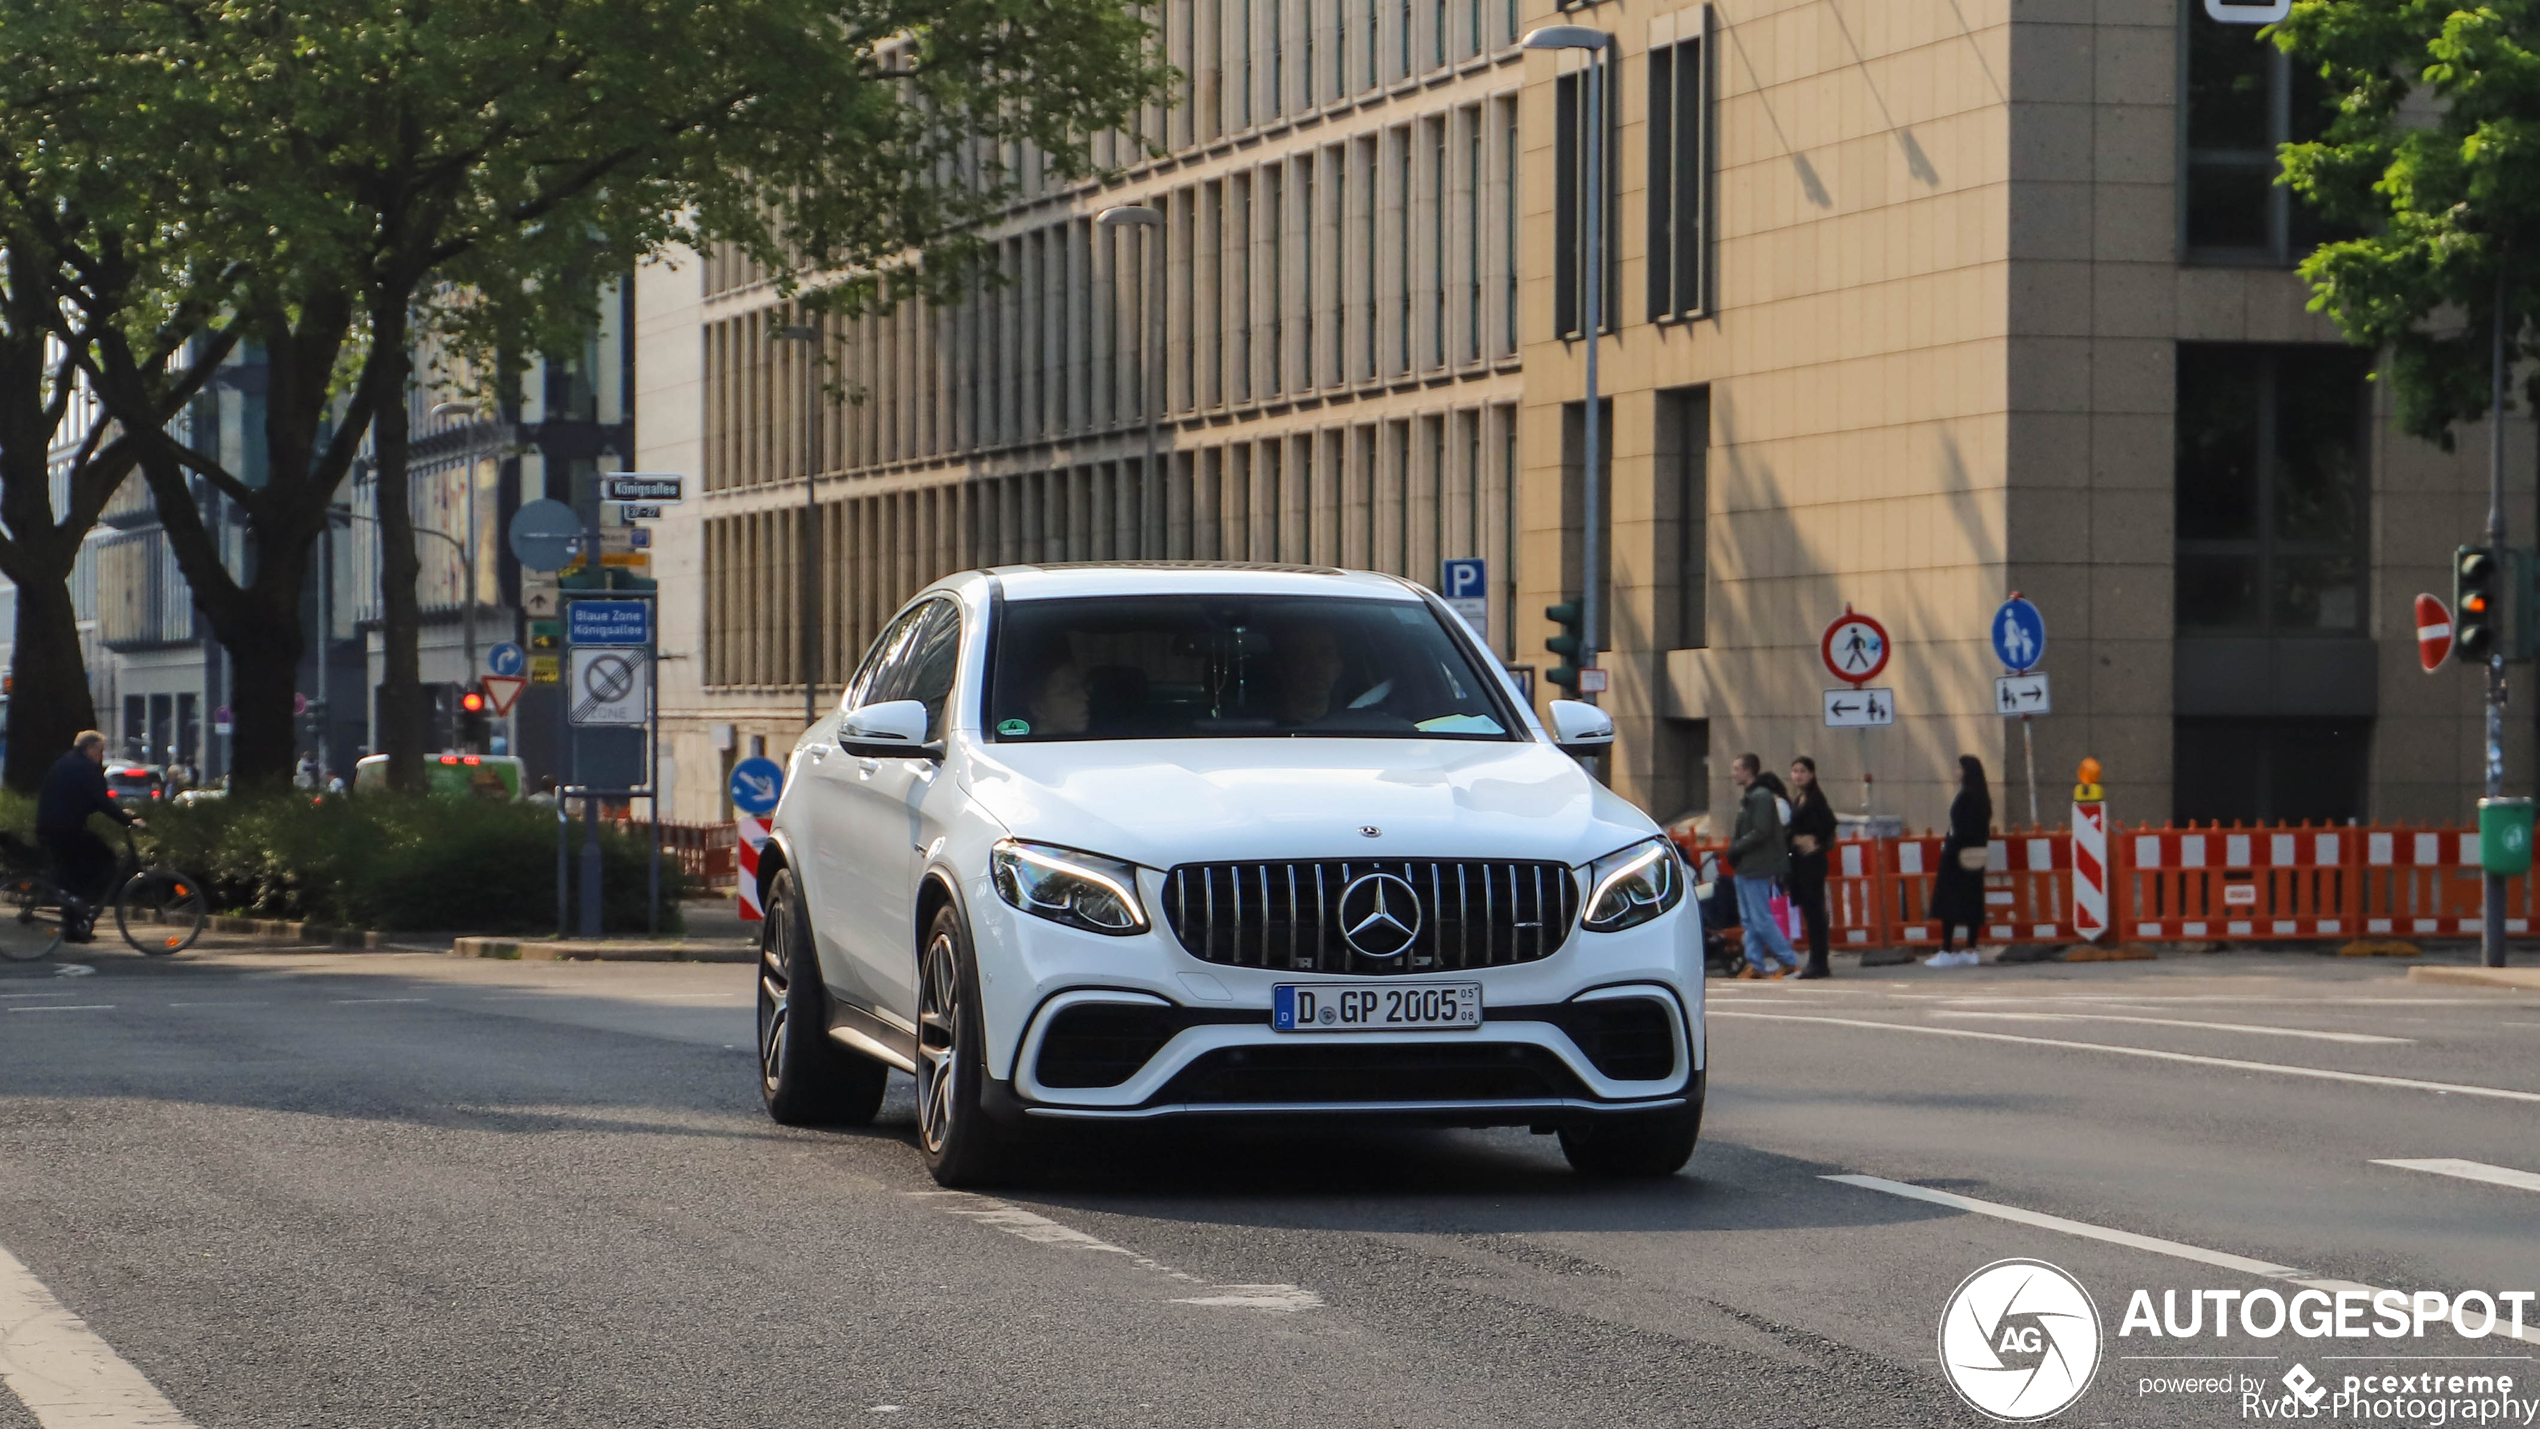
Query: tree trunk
point(49, 701)
point(264, 664)
point(401, 731)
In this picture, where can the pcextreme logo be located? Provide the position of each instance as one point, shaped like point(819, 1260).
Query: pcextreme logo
point(2019, 1341)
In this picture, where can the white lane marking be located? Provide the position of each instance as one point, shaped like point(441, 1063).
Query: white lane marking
point(62, 1371)
point(1041, 1230)
point(2470, 1171)
point(351, 1001)
point(225, 1002)
point(15, 995)
point(70, 1007)
point(2222, 1259)
point(2175, 1022)
point(74, 970)
point(2281, 1069)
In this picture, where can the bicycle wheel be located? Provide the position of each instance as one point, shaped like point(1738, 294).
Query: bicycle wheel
point(30, 918)
point(161, 911)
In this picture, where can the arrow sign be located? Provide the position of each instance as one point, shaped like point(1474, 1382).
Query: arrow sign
point(502, 691)
point(2434, 633)
point(756, 782)
point(2022, 695)
point(1860, 708)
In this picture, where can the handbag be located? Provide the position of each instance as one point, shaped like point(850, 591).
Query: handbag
point(1972, 857)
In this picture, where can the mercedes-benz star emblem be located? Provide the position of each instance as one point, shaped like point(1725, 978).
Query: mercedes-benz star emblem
point(1380, 915)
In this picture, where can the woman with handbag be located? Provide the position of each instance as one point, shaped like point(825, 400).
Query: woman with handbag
point(1957, 890)
point(1812, 834)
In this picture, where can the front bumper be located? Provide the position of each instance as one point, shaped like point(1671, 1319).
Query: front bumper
point(1609, 1024)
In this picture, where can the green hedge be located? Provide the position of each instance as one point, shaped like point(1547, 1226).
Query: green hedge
point(397, 863)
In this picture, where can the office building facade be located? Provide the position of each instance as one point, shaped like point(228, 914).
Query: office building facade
point(1907, 306)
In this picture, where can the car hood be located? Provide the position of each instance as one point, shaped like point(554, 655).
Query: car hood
point(1166, 802)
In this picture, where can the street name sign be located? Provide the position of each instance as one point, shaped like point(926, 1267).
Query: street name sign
point(609, 686)
point(1860, 708)
point(609, 622)
point(2022, 695)
point(642, 488)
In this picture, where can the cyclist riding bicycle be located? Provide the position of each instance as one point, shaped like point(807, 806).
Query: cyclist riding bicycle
point(74, 788)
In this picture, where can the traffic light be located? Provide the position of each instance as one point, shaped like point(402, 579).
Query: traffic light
point(2478, 608)
point(475, 730)
point(1566, 644)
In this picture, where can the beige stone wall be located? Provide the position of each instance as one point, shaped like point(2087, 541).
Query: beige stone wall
point(1856, 363)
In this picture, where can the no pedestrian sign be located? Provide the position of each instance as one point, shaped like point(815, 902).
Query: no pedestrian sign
point(1854, 648)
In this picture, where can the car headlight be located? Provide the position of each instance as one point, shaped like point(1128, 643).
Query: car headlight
point(1632, 886)
point(1081, 890)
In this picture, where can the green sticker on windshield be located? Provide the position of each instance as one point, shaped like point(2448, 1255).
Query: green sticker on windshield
point(1015, 726)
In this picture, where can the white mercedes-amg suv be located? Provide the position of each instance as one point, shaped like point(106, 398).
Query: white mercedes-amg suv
point(1122, 842)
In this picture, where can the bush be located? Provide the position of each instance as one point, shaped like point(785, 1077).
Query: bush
point(402, 863)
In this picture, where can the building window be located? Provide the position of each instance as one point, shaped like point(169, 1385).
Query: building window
point(2245, 99)
point(1569, 244)
point(1678, 108)
point(2269, 770)
point(2272, 489)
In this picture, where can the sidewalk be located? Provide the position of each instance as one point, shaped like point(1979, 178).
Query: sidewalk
point(714, 934)
point(2522, 979)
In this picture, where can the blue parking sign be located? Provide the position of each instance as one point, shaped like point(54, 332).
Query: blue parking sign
point(1464, 578)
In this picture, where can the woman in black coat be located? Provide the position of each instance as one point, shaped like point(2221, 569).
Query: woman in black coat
point(1812, 835)
point(1957, 891)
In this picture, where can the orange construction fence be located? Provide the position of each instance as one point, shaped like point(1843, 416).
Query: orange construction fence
point(2259, 884)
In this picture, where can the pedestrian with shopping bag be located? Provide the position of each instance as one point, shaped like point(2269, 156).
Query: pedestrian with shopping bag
point(1957, 890)
point(1812, 835)
point(1759, 854)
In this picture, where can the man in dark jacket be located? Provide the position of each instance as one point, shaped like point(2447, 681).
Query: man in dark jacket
point(74, 788)
point(1760, 854)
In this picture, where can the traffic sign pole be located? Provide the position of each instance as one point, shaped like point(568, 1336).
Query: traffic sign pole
point(1854, 649)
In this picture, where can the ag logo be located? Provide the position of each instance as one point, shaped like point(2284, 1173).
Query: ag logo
point(2019, 1340)
point(1380, 914)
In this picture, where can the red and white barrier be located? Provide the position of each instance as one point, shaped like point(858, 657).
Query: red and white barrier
point(751, 835)
point(2090, 868)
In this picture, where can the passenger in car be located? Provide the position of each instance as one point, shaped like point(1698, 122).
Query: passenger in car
point(1060, 704)
point(1306, 662)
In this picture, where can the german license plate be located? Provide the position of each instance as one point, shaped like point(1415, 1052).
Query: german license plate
point(1374, 1006)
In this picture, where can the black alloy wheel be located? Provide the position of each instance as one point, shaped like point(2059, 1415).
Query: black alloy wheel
point(963, 1147)
point(805, 1077)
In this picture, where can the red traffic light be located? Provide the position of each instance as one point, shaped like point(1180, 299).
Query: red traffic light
point(472, 702)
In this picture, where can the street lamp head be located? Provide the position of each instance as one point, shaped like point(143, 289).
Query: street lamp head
point(452, 409)
point(1130, 215)
point(794, 332)
point(1566, 37)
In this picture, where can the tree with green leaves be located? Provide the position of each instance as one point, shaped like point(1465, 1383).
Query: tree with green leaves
point(2434, 157)
point(347, 173)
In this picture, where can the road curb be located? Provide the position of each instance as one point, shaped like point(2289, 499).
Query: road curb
point(2518, 979)
point(606, 950)
point(333, 937)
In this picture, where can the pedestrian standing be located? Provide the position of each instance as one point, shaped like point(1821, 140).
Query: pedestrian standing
point(1957, 891)
point(1759, 854)
point(1812, 833)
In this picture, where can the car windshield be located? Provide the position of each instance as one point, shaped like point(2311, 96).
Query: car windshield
point(1217, 667)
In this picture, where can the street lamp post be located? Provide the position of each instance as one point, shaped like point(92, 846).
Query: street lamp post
point(1592, 543)
point(808, 588)
point(1150, 377)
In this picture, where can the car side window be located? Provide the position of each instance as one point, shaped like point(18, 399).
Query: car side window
point(881, 663)
point(934, 656)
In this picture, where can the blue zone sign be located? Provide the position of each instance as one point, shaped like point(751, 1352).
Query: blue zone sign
point(608, 622)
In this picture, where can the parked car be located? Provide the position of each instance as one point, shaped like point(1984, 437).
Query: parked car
point(1132, 843)
point(486, 776)
point(131, 783)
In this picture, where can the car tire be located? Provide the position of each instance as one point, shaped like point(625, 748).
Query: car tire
point(805, 1077)
point(964, 1147)
point(1634, 1147)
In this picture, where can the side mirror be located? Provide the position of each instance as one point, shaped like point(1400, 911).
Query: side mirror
point(891, 729)
point(1581, 729)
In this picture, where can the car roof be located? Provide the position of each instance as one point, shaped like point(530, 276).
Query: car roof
point(1097, 578)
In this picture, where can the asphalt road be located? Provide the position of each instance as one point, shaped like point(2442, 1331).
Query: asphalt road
point(391, 1189)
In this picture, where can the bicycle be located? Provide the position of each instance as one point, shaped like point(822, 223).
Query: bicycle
point(159, 910)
